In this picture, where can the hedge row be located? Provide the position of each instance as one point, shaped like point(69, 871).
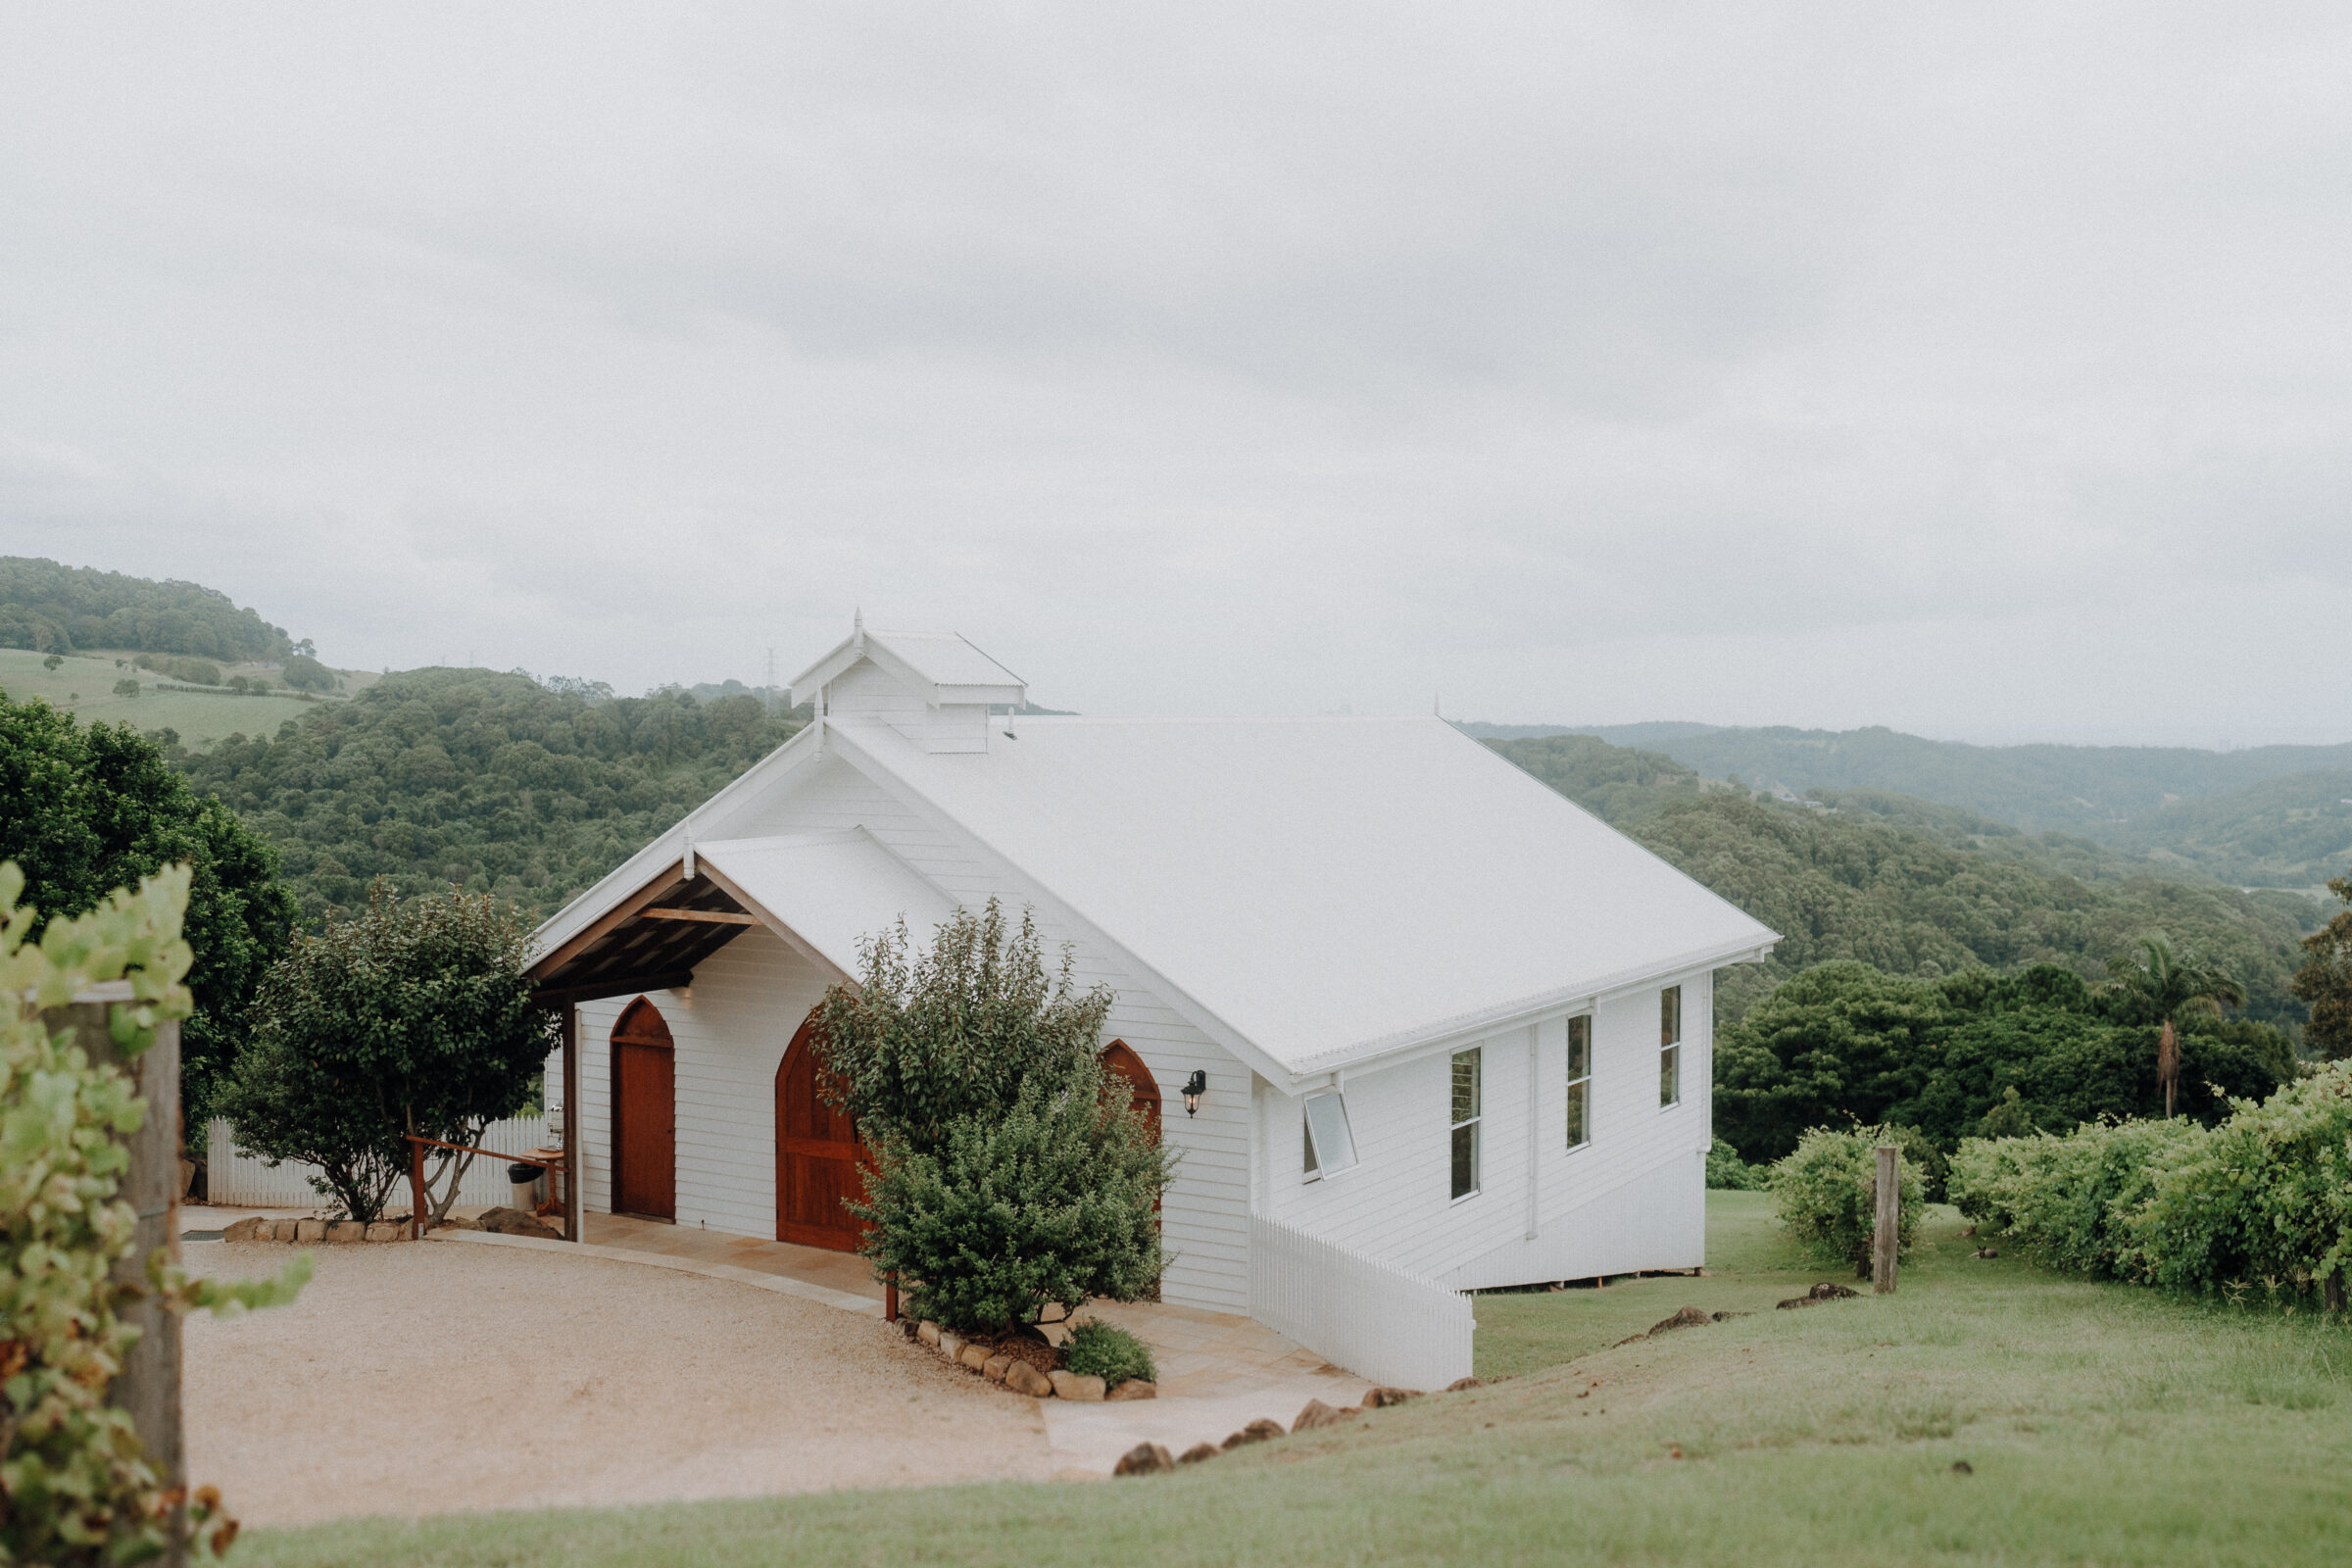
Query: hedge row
point(2263, 1200)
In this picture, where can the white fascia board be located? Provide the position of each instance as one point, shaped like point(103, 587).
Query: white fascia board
point(1453, 1033)
point(631, 874)
point(1234, 1041)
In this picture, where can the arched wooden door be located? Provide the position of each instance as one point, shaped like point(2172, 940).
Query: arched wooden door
point(819, 1161)
point(645, 1114)
point(1142, 1088)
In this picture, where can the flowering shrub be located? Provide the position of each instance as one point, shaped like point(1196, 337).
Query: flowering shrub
point(2263, 1200)
point(77, 1486)
point(1826, 1193)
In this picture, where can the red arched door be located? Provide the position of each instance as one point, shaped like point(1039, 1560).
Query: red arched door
point(819, 1161)
point(1142, 1088)
point(645, 1114)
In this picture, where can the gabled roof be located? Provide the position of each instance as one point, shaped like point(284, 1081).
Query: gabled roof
point(940, 667)
point(1324, 890)
point(826, 893)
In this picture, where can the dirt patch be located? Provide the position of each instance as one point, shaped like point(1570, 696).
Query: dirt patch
point(439, 1377)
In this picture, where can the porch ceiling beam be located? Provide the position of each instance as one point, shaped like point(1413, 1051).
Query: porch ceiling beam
point(619, 916)
point(714, 916)
point(617, 986)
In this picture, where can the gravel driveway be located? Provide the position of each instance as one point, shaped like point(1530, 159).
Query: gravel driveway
point(434, 1377)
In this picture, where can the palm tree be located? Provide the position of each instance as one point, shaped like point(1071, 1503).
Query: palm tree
point(2163, 985)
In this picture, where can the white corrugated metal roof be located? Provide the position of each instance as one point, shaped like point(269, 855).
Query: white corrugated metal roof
point(1327, 889)
point(940, 665)
point(944, 659)
point(829, 890)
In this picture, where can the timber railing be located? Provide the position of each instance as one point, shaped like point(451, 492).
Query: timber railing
point(1373, 1318)
point(233, 1180)
point(419, 1144)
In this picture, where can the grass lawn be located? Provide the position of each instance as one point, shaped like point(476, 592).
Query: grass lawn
point(2102, 1424)
point(84, 685)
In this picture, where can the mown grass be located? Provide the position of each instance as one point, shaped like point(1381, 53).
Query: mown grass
point(2101, 1424)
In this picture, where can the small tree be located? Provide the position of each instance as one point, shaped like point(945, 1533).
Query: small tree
point(1010, 1170)
point(415, 1017)
point(2161, 986)
point(2325, 982)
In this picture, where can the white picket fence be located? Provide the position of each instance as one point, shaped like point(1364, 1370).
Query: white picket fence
point(1370, 1317)
point(241, 1181)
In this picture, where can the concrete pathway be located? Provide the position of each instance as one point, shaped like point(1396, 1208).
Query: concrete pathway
point(1219, 1371)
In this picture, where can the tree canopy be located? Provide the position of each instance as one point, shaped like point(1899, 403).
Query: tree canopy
point(1844, 1043)
point(415, 1017)
point(86, 811)
point(492, 783)
point(59, 609)
point(1911, 887)
point(2325, 982)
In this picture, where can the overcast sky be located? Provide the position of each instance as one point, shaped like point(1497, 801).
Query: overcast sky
point(1979, 370)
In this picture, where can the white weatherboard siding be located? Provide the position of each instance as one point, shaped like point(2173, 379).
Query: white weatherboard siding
point(1631, 1199)
point(1204, 1215)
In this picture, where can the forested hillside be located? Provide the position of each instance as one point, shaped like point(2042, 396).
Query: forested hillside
point(1915, 888)
point(2269, 816)
point(57, 609)
point(491, 782)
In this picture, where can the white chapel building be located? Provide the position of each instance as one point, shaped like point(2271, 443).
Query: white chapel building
point(1432, 1014)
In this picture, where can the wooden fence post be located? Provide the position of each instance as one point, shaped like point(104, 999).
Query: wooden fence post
point(1890, 1203)
point(415, 1191)
point(148, 1387)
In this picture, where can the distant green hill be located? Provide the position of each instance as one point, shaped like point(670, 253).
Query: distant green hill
point(491, 782)
point(2268, 817)
point(1914, 887)
point(50, 608)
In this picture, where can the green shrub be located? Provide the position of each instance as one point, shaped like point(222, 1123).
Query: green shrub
point(1107, 1351)
point(1825, 1192)
point(1726, 1170)
point(306, 675)
point(2066, 1202)
point(78, 1485)
point(2265, 1198)
point(1050, 1201)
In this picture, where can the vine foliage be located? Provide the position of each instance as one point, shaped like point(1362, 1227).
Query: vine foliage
point(76, 1485)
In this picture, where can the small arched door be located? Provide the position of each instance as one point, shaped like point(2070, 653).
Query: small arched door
point(645, 1114)
point(819, 1161)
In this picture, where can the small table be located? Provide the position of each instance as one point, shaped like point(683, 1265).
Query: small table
point(554, 1180)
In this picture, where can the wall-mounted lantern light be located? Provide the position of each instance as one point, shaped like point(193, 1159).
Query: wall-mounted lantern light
point(1193, 1088)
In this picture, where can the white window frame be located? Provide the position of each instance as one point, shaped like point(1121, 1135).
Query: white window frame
point(1318, 1166)
point(1471, 1124)
point(1670, 1048)
point(1568, 1099)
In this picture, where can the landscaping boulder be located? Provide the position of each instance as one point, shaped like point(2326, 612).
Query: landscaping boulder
point(1022, 1378)
point(253, 1228)
point(1381, 1398)
point(1259, 1431)
point(309, 1230)
point(996, 1367)
point(1136, 1389)
point(1144, 1460)
point(1460, 1384)
point(1318, 1414)
point(975, 1356)
point(282, 1230)
point(1823, 1291)
point(384, 1230)
point(928, 1332)
point(515, 1222)
point(347, 1229)
point(951, 1345)
point(1197, 1452)
point(1690, 1317)
point(1082, 1387)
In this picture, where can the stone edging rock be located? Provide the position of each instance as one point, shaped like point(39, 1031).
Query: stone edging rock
point(1151, 1458)
point(306, 1231)
point(1022, 1377)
